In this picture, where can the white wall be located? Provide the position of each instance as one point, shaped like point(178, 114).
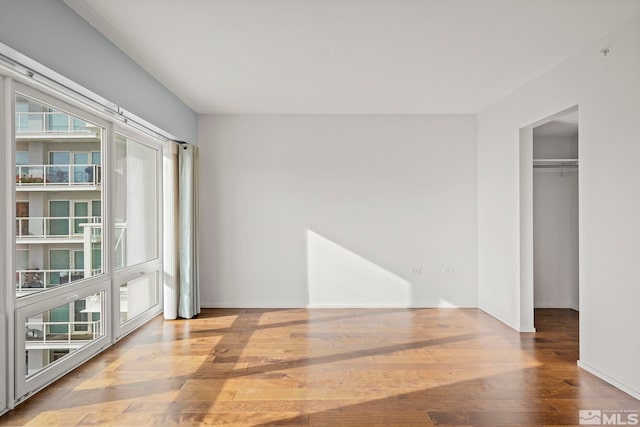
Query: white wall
point(607, 90)
point(338, 210)
point(50, 32)
point(555, 225)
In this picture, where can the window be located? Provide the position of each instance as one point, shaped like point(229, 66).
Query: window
point(57, 153)
point(53, 334)
point(136, 230)
point(136, 203)
point(137, 296)
point(22, 157)
point(59, 209)
point(85, 212)
point(68, 288)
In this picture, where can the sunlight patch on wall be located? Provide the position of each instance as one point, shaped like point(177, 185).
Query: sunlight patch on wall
point(338, 277)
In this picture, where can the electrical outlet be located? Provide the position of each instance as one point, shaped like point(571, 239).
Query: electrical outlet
point(447, 270)
point(417, 271)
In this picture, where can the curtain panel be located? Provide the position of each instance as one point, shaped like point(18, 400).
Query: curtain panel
point(189, 294)
point(181, 275)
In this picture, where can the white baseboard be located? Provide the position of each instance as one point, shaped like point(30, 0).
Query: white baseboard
point(358, 306)
point(259, 305)
point(617, 384)
point(250, 305)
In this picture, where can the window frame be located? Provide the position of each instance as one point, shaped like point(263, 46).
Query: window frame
point(29, 305)
point(155, 265)
point(26, 385)
point(55, 90)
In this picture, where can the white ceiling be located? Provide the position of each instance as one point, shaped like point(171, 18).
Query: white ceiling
point(350, 56)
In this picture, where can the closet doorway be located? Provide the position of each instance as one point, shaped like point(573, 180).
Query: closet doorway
point(555, 148)
point(549, 265)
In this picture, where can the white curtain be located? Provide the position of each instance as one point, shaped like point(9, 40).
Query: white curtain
point(181, 288)
point(189, 295)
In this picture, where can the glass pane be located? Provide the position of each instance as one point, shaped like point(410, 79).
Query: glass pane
point(80, 316)
point(59, 267)
point(78, 125)
point(59, 259)
point(78, 260)
point(82, 171)
point(80, 216)
point(29, 175)
point(96, 210)
point(26, 277)
point(55, 333)
point(136, 207)
point(22, 120)
point(59, 158)
point(95, 158)
point(22, 157)
point(137, 296)
point(22, 259)
point(53, 151)
point(96, 259)
point(58, 209)
point(57, 122)
point(80, 158)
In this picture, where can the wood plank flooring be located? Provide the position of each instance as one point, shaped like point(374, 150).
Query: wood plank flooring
point(338, 367)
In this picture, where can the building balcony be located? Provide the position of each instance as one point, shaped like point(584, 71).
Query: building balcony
point(41, 335)
point(58, 177)
point(36, 280)
point(33, 281)
point(38, 230)
point(53, 125)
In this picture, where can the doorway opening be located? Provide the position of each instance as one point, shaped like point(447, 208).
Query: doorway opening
point(555, 221)
point(549, 164)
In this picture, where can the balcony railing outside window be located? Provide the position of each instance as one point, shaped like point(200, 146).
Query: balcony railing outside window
point(39, 280)
point(53, 227)
point(40, 332)
point(35, 175)
point(50, 122)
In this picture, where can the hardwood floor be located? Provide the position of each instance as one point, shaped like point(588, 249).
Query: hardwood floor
point(340, 367)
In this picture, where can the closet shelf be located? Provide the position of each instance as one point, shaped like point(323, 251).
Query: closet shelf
point(555, 163)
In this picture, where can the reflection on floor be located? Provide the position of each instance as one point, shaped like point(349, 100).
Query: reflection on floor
point(340, 367)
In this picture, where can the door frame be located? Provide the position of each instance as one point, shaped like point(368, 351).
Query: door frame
point(526, 219)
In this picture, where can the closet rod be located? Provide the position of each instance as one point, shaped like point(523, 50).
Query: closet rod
point(555, 166)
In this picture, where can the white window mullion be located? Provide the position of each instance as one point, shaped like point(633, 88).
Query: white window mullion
point(7, 234)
